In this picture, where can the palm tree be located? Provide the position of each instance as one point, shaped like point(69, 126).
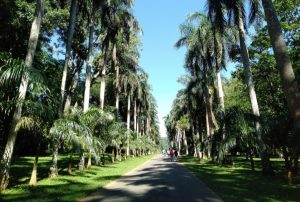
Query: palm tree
point(289, 84)
point(62, 109)
point(128, 80)
point(184, 125)
point(116, 22)
point(200, 42)
point(236, 15)
point(32, 43)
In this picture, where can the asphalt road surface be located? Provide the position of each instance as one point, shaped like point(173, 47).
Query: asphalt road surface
point(157, 180)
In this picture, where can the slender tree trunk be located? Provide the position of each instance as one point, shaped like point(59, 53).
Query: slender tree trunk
point(138, 122)
point(222, 102)
point(33, 179)
point(148, 126)
point(209, 119)
point(72, 23)
point(198, 142)
point(266, 164)
point(70, 164)
point(89, 67)
point(8, 151)
point(89, 164)
point(128, 125)
point(117, 72)
point(288, 81)
point(71, 92)
point(185, 143)
point(102, 86)
point(251, 160)
point(179, 142)
point(53, 168)
point(81, 161)
point(134, 115)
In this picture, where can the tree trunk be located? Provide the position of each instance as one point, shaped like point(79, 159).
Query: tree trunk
point(185, 143)
point(89, 67)
point(71, 92)
point(288, 81)
point(222, 102)
point(70, 165)
point(148, 127)
point(33, 179)
point(128, 125)
point(81, 161)
point(102, 86)
point(266, 164)
point(138, 123)
point(134, 115)
point(53, 168)
point(117, 69)
point(89, 164)
point(8, 151)
point(251, 160)
point(72, 23)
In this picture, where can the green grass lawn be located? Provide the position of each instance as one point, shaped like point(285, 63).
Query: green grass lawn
point(64, 187)
point(239, 183)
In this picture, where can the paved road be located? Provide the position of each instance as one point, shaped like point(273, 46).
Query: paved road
point(158, 180)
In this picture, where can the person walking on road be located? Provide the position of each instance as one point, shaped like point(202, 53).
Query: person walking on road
point(172, 154)
point(176, 154)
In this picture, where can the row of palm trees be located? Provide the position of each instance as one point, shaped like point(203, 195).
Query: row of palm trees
point(111, 33)
point(210, 40)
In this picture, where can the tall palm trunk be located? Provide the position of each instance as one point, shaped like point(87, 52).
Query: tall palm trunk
point(89, 164)
point(72, 23)
point(86, 101)
point(8, 151)
point(81, 161)
point(128, 125)
point(70, 164)
point(185, 143)
point(71, 91)
point(53, 168)
point(209, 117)
point(138, 122)
point(102, 86)
point(289, 84)
point(221, 98)
point(266, 164)
point(117, 72)
point(103, 76)
point(148, 127)
point(33, 178)
point(179, 137)
point(134, 115)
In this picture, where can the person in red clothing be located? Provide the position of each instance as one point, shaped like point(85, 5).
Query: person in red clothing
point(172, 154)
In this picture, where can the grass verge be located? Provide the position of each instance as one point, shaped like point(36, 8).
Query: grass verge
point(64, 187)
point(239, 183)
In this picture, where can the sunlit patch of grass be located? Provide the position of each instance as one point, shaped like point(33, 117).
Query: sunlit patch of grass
point(239, 183)
point(64, 187)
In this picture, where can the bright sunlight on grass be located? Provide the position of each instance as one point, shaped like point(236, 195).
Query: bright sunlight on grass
point(64, 187)
point(239, 183)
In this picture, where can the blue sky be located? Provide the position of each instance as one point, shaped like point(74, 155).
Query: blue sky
point(160, 20)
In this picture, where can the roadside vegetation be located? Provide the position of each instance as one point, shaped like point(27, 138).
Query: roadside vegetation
point(237, 182)
point(65, 187)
